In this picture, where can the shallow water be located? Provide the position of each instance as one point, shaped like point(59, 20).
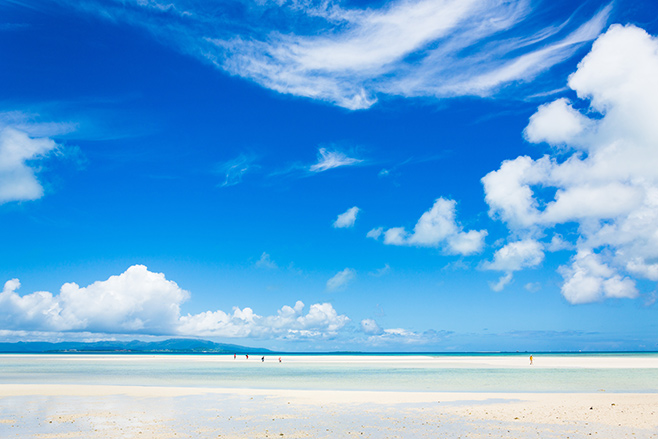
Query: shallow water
point(329, 372)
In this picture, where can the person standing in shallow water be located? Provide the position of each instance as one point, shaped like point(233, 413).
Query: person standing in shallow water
point(262, 359)
point(531, 360)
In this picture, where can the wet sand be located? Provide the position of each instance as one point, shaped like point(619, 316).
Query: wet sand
point(81, 409)
point(84, 411)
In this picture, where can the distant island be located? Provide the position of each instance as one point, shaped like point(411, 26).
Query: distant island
point(174, 345)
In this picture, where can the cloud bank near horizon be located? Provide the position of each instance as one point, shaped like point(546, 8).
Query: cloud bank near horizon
point(139, 302)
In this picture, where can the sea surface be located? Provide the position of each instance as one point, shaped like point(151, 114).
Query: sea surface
point(332, 372)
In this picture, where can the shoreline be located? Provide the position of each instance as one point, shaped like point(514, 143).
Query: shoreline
point(157, 397)
point(560, 361)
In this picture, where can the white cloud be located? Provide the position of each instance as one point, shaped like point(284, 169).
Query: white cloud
point(517, 255)
point(371, 327)
point(400, 337)
point(437, 227)
point(608, 185)
point(266, 261)
point(30, 124)
point(532, 287)
point(137, 301)
point(381, 271)
point(348, 55)
point(234, 169)
point(558, 243)
point(134, 301)
point(142, 302)
point(640, 268)
point(375, 233)
point(556, 123)
point(322, 320)
point(501, 283)
point(332, 159)
point(370, 51)
point(341, 279)
point(589, 280)
point(18, 181)
point(23, 141)
point(346, 219)
point(514, 256)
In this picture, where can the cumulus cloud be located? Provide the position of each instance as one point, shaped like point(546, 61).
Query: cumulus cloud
point(346, 219)
point(516, 256)
point(341, 279)
point(437, 227)
point(588, 279)
point(556, 123)
point(332, 159)
point(348, 56)
point(136, 301)
point(607, 185)
point(322, 320)
point(139, 301)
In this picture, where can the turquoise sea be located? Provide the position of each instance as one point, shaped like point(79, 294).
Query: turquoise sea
point(396, 372)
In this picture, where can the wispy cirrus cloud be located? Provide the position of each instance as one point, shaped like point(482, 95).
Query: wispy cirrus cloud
point(327, 158)
point(233, 170)
point(330, 159)
point(349, 56)
point(341, 279)
point(266, 261)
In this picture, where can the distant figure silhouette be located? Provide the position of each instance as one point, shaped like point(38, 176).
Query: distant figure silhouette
point(531, 360)
point(262, 359)
point(279, 359)
point(235, 356)
point(247, 355)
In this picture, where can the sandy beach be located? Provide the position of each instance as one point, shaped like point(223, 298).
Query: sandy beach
point(55, 410)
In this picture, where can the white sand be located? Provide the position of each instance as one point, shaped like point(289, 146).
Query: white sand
point(109, 411)
point(71, 411)
point(511, 361)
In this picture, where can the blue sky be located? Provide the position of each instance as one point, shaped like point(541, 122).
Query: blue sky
point(300, 175)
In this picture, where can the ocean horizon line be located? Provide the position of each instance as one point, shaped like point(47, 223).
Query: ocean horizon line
point(329, 353)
